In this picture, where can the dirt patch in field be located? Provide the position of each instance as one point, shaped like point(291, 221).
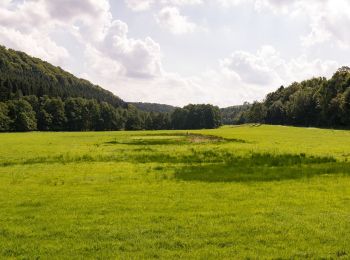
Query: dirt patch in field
point(173, 139)
point(193, 138)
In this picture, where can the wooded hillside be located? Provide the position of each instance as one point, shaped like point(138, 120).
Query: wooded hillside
point(23, 75)
point(318, 102)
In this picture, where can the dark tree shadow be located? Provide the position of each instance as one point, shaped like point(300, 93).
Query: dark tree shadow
point(262, 168)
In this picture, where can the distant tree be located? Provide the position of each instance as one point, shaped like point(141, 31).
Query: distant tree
point(91, 115)
point(5, 92)
point(179, 118)
point(301, 108)
point(74, 114)
point(33, 101)
point(257, 113)
point(345, 107)
point(22, 116)
point(276, 113)
point(235, 115)
point(5, 120)
point(149, 121)
point(111, 119)
point(161, 121)
point(134, 120)
point(212, 117)
point(44, 120)
point(53, 114)
point(196, 117)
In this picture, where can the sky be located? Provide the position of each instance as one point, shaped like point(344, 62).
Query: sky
point(176, 52)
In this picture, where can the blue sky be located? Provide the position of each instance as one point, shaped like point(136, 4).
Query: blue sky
point(177, 52)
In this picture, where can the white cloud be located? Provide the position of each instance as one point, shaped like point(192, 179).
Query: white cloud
point(35, 44)
point(170, 19)
point(26, 27)
point(268, 69)
point(140, 58)
point(139, 5)
point(327, 18)
point(143, 5)
point(230, 3)
point(181, 2)
point(328, 22)
point(254, 69)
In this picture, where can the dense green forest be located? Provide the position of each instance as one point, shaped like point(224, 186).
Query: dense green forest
point(196, 117)
point(153, 107)
point(30, 113)
point(22, 75)
point(315, 102)
point(35, 95)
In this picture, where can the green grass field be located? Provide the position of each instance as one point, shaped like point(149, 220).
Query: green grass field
point(234, 192)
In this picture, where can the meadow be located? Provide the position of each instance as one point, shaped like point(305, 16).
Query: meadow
point(251, 191)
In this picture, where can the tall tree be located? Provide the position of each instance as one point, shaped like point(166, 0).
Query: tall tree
point(22, 116)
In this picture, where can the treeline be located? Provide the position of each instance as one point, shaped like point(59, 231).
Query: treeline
point(316, 102)
point(31, 113)
point(153, 107)
point(196, 117)
point(22, 75)
point(234, 115)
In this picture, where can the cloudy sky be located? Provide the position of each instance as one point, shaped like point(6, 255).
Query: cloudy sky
point(177, 52)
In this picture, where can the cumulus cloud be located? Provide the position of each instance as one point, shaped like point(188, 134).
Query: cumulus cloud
point(140, 58)
point(26, 26)
point(328, 21)
point(255, 69)
point(170, 19)
point(266, 68)
point(327, 18)
point(35, 44)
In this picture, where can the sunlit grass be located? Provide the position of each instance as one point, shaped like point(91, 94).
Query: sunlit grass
point(234, 192)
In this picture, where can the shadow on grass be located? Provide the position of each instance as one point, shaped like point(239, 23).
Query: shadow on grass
point(147, 142)
point(262, 168)
point(213, 165)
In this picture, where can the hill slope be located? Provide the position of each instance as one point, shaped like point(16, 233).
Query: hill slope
point(21, 74)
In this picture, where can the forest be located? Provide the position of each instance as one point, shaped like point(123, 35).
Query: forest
point(35, 95)
point(30, 113)
point(317, 102)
